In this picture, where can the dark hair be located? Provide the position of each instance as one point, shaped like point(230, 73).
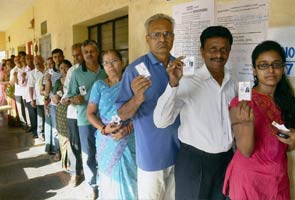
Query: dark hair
point(22, 53)
point(57, 50)
point(283, 96)
point(268, 45)
point(116, 52)
point(49, 58)
point(76, 46)
point(215, 31)
point(66, 62)
point(90, 42)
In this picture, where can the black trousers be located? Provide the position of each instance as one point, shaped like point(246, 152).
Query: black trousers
point(75, 147)
point(200, 175)
point(33, 118)
point(21, 110)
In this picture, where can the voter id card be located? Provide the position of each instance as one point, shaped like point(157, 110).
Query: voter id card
point(59, 93)
point(189, 65)
point(244, 91)
point(142, 70)
point(82, 90)
point(281, 127)
point(50, 71)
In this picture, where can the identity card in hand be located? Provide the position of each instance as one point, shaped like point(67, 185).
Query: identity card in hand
point(50, 71)
point(116, 119)
point(189, 65)
point(245, 91)
point(59, 93)
point(281, 127)
point(82, 90)
point(142, 70)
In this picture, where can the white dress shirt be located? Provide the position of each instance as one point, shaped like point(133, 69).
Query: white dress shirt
point(19, 87)
point(203, 107)
point(35, 81)
point(72, 110)
point(26, 95)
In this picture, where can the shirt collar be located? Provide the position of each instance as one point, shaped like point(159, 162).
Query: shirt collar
point(84, 68)
point(204, 73)
point(154, 60)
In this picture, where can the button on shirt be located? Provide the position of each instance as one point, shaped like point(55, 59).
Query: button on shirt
point(156, 148)
point(203, 107)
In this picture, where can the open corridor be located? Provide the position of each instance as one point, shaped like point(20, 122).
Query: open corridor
point(27, 172)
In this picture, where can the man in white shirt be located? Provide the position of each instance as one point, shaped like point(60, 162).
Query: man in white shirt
point(36, 99)
point(202, 102)
point(72, 125)
point(17, 78)
point(32, 111)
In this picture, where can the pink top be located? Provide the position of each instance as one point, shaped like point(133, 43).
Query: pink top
point(2, 88)
point(264, 174)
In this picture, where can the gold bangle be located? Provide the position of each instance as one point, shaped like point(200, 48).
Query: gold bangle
point(103, 130)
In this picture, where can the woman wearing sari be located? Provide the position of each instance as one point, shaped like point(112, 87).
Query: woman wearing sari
point(258, 169)
point(114, 142)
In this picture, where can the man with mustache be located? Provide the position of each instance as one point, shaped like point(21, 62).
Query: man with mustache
point(78, 94)
point(155, 148)
point(205, 131)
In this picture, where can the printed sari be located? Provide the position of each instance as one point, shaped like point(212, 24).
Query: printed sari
point(116, 158)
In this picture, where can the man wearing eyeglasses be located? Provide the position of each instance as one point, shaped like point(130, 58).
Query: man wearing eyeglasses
point(205, 131)
point(143, 82)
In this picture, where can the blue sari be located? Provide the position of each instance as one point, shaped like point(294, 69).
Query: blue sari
point(116, 158)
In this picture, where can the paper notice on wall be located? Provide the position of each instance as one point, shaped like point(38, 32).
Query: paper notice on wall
point(190, 20)
point(248, 23)
point(285, 36)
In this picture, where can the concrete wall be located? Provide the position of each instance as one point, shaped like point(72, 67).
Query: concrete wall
point(67, 22)
point(2, 41)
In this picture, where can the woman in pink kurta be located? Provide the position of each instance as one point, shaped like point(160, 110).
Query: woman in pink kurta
point(3, 83)
point(258, 169)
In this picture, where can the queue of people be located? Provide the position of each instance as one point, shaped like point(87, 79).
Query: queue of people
point(159, 134)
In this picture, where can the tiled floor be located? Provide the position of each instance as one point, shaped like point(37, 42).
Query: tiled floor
point(27, 172)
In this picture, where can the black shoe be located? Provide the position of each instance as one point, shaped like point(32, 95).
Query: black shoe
point(25, 127)
point(95, 193)
point(28, 130)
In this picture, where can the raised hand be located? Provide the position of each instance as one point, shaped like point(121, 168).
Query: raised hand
point(243, 113)
point(290, 141)
point(139, 85)
point(175, 71)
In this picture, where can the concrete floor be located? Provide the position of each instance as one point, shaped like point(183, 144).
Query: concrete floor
point(28, 173)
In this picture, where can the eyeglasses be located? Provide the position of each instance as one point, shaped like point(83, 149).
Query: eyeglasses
point(112, 62)
point(275, 65)
point(157, 35)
